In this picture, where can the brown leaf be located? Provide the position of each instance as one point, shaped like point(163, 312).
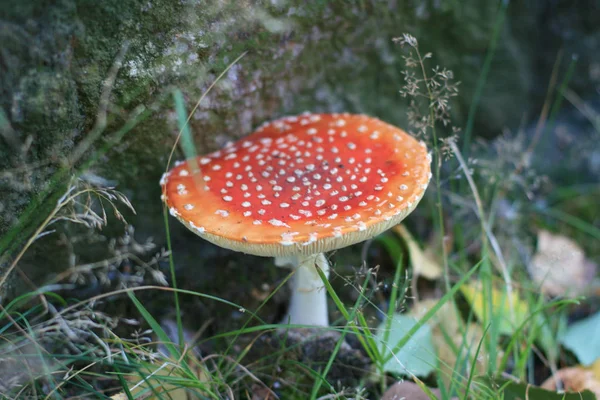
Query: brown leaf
point(576, 379)
point(409, 391)
point(260, 392)
point(559, 266)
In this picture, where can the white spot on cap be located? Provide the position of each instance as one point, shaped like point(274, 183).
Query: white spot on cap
point(200, 229)
point(164, 177)
point(287, 238)
point(222, 213)
point(276, 222)
point(188, 207)
point(312, 237)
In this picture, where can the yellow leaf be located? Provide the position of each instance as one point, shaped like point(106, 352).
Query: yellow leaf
point(422, 264)
point(507, 309)
point(595, 368)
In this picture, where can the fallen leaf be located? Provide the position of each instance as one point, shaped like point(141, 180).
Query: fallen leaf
point(259, 392)
point(417, 356)
point(422, 264)
point(510, 310)
point(576, 379)
point(583, 339)
point(559, 266)
point(409, 391)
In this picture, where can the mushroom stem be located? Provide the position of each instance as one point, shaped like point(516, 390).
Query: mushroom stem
point(308, 302)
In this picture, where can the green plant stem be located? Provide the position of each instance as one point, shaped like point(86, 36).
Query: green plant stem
point(340, 341)
point(173, 279)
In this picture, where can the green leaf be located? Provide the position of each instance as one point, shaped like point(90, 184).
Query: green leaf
point(417, 356)
point(187, 142)
point(583, 339)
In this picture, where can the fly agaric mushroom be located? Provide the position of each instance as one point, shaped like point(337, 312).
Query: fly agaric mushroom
point(298, 187)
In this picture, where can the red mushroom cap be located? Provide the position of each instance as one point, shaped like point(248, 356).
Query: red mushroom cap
point(301, 185)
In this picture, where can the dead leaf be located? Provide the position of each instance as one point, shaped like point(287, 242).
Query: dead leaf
point(260, 392)
point(576, 379)
point(559, 266)
point(422, 264)
point(409, 391)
